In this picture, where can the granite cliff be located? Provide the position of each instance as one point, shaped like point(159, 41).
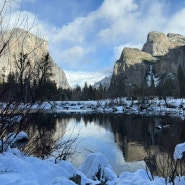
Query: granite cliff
point(155, 66)
point(21, 41)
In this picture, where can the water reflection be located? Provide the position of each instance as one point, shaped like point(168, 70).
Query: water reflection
point(95, 137)
point(41, 129)
point(121, 138)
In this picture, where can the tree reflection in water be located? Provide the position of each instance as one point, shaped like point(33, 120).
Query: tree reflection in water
point(40, 128)
point(134, 135)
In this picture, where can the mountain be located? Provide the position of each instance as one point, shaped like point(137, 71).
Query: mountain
point(105, 82)
point(18, 41)
point(158, 68)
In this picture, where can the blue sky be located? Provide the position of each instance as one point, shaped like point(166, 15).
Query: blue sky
point(86, 37)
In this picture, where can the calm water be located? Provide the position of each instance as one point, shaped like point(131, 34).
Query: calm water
point(123, 139)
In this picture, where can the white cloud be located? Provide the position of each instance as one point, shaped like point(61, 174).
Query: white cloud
point(106, 23)
point(112, 10)
point(176, 23)
point(80, 77)
point(72, 32)
point(73, 52)
point(75, 57)
point(118, 15)
point(31, 1)
point(10, 6)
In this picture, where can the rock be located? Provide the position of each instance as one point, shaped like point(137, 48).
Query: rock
point(21, 41)
point(77, 179)
point(105, 82)
point(130, 70)
point(158, 44)
point(131, 57)
point(154, 66)
point(176, 39)
point(14, 140)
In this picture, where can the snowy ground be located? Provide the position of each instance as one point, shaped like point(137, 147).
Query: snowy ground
point(151, 106)
point(18, 169)
point(155, 106)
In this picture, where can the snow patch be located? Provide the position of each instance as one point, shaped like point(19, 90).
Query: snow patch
point(17, 169)
point(96, 167)
point(179, 150)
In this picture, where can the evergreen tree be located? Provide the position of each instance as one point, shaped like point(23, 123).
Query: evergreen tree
point(43, 76)
point(77, 93)
point(181, 79)
point(100, 92)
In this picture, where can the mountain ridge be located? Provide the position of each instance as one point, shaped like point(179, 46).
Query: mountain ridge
point(156, 65)
point(105, 82)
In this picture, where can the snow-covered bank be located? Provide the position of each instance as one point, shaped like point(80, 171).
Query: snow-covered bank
point(155, 106)
point(18, 169)
point(141, 106)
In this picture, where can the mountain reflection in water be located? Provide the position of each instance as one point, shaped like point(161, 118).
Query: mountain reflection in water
point(123, 139)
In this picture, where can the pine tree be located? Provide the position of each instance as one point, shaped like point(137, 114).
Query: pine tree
point(181, 79)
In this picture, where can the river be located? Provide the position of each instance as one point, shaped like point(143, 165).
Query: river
point(124, 139)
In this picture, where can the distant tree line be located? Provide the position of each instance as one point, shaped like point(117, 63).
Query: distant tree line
point(87, 92)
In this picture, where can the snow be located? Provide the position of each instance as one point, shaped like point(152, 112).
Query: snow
point(138, 177)
point(94, 163)
point(15, 140)
point(15, 168)
point(151, 106)
point(142, 106)
point(13, 137)
point(19, 169)
point(149, 76)
point(152, 78)
point(179, 149)
point(62, 181)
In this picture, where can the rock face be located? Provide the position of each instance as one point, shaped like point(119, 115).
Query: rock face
point(156, 64)
point(105, 82)
point(158, 44)
point(21, 41)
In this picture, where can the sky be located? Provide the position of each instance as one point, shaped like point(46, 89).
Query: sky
point(86, 37)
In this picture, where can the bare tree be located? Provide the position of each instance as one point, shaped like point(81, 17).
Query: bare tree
point(25, 67)
point(16, 59)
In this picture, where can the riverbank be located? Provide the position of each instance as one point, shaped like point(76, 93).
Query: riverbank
point(153, 106)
